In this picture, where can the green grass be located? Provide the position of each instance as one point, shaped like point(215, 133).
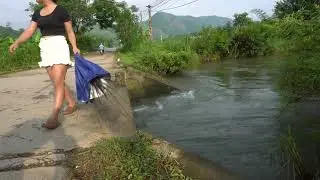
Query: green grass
point(300, 77)
point(300, 163)
point(26, 56)
point(121, 158)
point(163, 58)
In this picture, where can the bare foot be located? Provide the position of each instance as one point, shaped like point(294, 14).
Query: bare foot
point(52, 122)
point(70, 110)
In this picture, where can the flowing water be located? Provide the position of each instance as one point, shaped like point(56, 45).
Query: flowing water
point(230, 115)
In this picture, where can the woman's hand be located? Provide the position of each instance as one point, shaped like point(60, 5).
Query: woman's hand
point(76, 50)
point(13, 47)
point(71, 37)
point(27, 34)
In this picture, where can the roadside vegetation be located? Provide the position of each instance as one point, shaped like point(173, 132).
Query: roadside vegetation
point(27, 57)
point(125, 158)
point(166, 58)
point(293, 31)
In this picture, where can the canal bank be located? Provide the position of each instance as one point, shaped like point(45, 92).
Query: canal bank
point(144, 86)
point(29, 151)
point(228, 115)
point(233, 114)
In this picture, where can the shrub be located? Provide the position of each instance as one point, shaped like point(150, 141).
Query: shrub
point(163, 58)
point(166, 62)
point(212, 44)
point(251, 40)
point(301, 36)
point(300, 75)
point(87, 43)
point(27, 56)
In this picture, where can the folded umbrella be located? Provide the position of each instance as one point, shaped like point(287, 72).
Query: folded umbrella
point(91, 79)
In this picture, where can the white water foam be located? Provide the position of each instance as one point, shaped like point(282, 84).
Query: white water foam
point(159, 105)
point(141, 108)
point(185, 95)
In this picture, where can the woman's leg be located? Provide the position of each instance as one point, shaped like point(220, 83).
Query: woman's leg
point(71, 102)
point(67, 93)
point(57, 74)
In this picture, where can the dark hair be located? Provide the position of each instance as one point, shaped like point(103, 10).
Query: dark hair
point(55, 1)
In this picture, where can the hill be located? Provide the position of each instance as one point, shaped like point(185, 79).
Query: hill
point(8, 31)
point(170, 25)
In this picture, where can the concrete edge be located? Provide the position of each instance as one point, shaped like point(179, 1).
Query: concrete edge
point(31, 162)
point(194, 166)
point(155, 77)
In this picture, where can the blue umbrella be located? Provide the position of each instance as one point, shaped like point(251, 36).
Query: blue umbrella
point(90, 79)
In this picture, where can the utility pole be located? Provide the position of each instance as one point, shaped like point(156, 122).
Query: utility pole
point(150, 22)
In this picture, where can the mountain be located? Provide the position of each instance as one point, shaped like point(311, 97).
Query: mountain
point(169, 24)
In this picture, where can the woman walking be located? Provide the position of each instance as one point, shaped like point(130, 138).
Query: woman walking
point(54, 23)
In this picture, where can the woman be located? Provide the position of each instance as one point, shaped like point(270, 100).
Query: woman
point(54, 23)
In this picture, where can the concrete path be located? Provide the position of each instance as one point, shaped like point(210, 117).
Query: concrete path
point(26, 99)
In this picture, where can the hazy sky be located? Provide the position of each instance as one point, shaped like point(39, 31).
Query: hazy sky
point(13, 10)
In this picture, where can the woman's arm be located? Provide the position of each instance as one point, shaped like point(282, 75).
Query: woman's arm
point(27, 34)
point(71, 37)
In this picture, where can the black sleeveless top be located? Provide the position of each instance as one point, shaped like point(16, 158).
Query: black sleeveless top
point(52, 24)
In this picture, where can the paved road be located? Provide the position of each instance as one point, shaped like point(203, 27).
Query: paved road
point(26, 101)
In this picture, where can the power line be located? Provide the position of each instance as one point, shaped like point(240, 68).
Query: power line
point(164, 2)
point(175, 2)
point(169, 5)
point(178, 6)
point(156, 3)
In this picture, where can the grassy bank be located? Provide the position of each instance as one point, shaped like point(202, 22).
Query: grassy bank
point(176, 54)
point(164, 58)
point(120, 158)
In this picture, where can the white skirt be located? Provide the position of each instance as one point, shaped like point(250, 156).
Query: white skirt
point(54, 50)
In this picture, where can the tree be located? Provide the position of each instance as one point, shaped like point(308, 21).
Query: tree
point(262, 15)
point(119, 16)
point(8, 24)
point(128, 28)
point(286, 7)
point(81, 12)
point(241, 19)
point(106, 12)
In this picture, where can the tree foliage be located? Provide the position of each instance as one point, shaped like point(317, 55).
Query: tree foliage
point(212, 43)
point(286, 7)
point(122, 18)
point(262, 15)
point(251, 40)
point(241, 19)
point(106, 12)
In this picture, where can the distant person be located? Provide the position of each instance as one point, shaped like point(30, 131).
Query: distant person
point(54, 23)
point(101, 48)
